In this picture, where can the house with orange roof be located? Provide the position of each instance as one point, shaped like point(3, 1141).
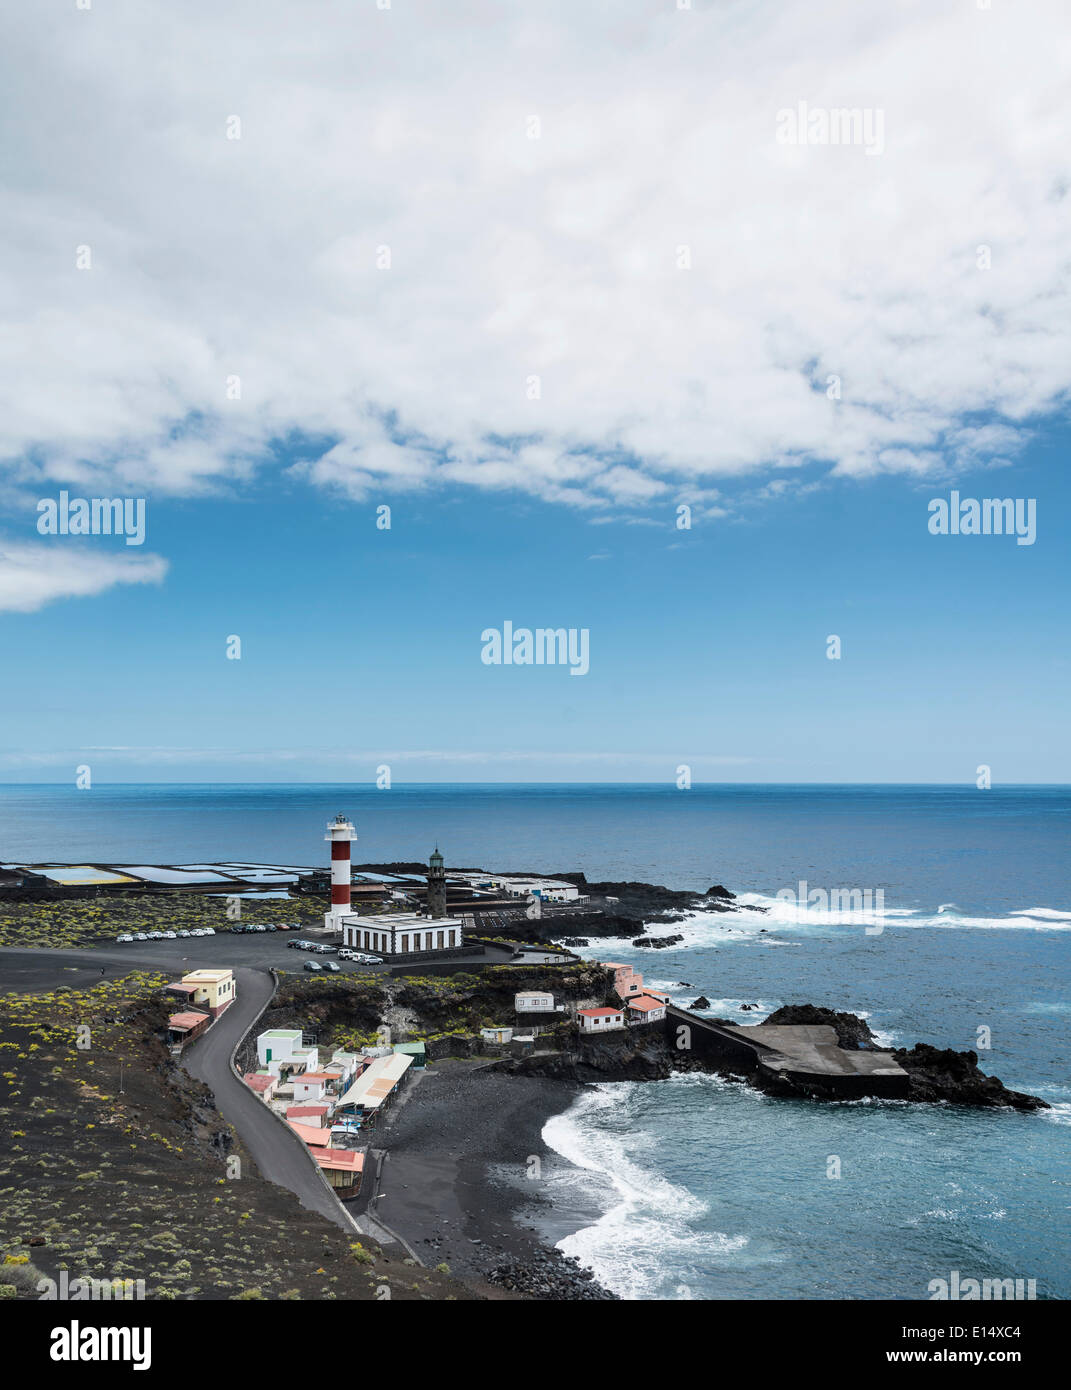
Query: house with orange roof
point(312, 1086)
point(314, 1136)
point(343, 1169)
point(603, 1020)
point(642, 1008)
point(183, 1027)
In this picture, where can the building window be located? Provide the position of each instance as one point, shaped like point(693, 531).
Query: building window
point(405, 943)
point(440, 939)
point(453, 935)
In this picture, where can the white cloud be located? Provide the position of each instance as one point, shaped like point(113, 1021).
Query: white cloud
point(32, 575)
point(514, 258)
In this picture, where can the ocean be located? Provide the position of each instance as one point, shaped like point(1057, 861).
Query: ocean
point(699, 1187)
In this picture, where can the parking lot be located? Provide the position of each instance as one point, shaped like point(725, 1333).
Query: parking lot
point(263, 949)
point(267, 949)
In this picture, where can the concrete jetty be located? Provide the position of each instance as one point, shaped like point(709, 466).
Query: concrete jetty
point(805, 1055)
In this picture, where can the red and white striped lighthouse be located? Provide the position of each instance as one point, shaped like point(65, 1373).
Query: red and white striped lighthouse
point(340, 832)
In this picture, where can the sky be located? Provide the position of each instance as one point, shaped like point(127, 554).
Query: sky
point(578, 293)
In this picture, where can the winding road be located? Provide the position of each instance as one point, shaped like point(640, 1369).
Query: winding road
point(276, 1150)
point(279, 1154)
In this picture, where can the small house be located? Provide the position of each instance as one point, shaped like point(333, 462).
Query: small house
point(626, 980)
point(496, 1034)
point(307, 1114)
point(343, 1169)
point(311, 1086)
point(416, 1050)
point(183, 1027)
point(262, 1083)
point(534, 1001)
point(603, 1020)
point(644, 1009)
point(214, 989)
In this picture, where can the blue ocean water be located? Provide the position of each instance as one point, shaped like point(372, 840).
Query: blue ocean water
point(699, 1187)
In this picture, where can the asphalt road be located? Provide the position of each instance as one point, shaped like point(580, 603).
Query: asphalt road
point(267, 950)
point(278, 1153)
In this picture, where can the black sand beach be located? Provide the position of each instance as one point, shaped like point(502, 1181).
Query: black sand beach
point(456, 1125)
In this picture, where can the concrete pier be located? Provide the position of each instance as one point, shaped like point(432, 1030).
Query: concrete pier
point(807, 1055)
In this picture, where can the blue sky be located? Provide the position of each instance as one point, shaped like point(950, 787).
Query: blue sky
point(534, 278)
point(708, 647)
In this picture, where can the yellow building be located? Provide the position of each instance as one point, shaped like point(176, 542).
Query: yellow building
point(214, 990)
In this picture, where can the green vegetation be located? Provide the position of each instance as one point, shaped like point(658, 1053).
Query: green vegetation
point(84, 921)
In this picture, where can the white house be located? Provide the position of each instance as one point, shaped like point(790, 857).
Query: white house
point(311, 1086)
point(401, 933)
point(644, 1009)
point(281, 1047)
point(600, 1020)
point(533, 1001)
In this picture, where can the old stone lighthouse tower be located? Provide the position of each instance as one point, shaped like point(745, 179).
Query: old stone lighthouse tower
point(436, 885)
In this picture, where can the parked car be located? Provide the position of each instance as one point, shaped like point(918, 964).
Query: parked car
point(313, 965)
point(237, 929)
point(330, 965)
point(295, 945)
point(326, 950)
point(124, 938)
point(154, 936)
point(268, 927)
point(169, 936)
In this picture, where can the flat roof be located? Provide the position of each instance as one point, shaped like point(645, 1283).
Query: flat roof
point(309, 1134)
point(366, 1090)
point(404, 921)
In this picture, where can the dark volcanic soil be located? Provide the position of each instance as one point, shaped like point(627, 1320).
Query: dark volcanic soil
point(122, 1173)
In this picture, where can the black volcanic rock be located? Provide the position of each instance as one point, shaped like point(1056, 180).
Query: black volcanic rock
point(657, 942)
point(719, 892)
point(852, 1032)
point(701, 1003)
point(943, 1074)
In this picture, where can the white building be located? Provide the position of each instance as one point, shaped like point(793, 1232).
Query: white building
point(533, 1001)
point(551, 890)
point(643, 1008)
point(279, 1047)
point(401, 933)
point(311, 1086)
point(600, 1020)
